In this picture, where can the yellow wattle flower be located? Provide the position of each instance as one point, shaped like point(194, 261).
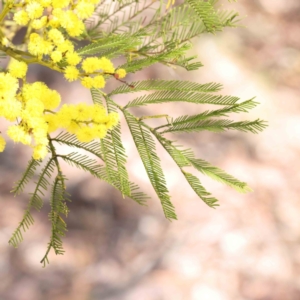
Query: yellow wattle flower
point(2, 143)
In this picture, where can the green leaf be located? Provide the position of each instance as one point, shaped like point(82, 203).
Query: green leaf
point(182, 96)
point(27, 175)
point(65, 138)
point(105, 14)
point(177, 155)
point(223, 112)
point(110, 46)
point(112, 149)
point(182, 159)
point(130, 18)
point(186, 158)
point(166, 85)
point(207, 14)
point(146, 148)
point(219, 175)
point(116, 155)
point(35, 201)
point(200, 190)
point(97, 96)
point(101, 44)
point(139, 64)
point(213, 20)
point(58, 225)
point(89, 165)
point(217, 126)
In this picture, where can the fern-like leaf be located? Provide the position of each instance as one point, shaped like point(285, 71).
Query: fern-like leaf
point(27, 175)
point(112, 149)
point(89, 165)
point(186, 158)
point(207, 14)
point(199, 189)
point(117, 157)
point(223, 112)
point(182, 159)
point(146, 148)
point(179, 96)
point(110, 46)
point(217, 126)
point(167, 85)
point(139, 64)
point(97, 96)
point(219, 175)
point(71, 141)
point(58, 225)
point(35, 201)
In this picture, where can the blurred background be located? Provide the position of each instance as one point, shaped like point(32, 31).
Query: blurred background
point(247, 249)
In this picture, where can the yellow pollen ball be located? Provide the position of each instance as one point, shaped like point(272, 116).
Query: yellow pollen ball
point(56, 56)
point(71, 73)
point(34, 10)
point(39, 152)
point(2, 144)
point(19, 134)
point(87, 82)
point(85, 134)
point(73, 58)
point(21, 17)
point(121, 73)
point(84, 9)
point(98, 82)
point(17, 68)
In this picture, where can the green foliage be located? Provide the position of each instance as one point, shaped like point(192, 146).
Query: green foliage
point(146, 148)
point(166, 85)
point(115, 155)
point(58, 208)
point(28, 174)
point(36, 199)
point(119, 29)
point(182, 96)
point(215, 125)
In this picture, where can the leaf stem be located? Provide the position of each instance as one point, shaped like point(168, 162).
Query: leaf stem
point(153, 117)
point(59, 177)
point(5, 10)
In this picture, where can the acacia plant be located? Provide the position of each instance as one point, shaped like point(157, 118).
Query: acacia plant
point(79, 38)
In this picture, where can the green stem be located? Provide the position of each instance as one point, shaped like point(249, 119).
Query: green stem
point(162, 126)
point(18, 54)
point(59, 177)
point(153, 117)
point(49, 111)
point(28, 31)
point(5, 10)
point(54, 156)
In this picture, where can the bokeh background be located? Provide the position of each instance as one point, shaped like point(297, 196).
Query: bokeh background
point(247, 249)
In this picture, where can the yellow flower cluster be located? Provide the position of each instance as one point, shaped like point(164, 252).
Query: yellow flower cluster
point(51, 26)
point(50, 18)
point(88, 122)
point(32, 106)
